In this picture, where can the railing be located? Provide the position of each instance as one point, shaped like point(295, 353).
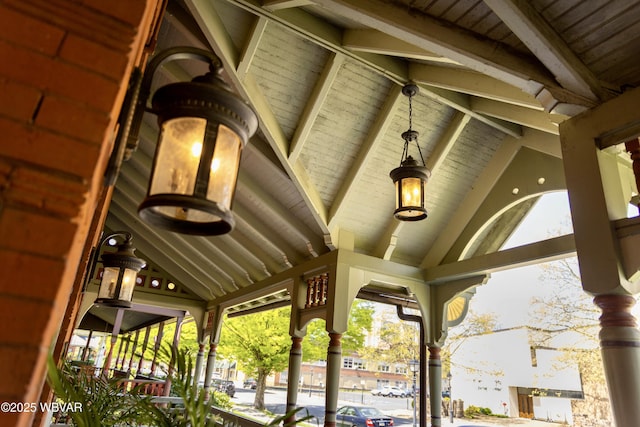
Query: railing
point(228, 418)
point(150, 387)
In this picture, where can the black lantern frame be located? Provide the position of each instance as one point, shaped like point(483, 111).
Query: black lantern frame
point(410, 177)
point(120, 271)
point(203, 128)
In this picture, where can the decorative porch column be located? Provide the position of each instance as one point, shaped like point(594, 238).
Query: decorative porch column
point(114, 338)
point(175, 344)
point(211, 363)
point(334, 364)
point(295, 361)
point(199, 365)
point(620, 347)
point(133, 353)
point(435, 386)
point(156, 347)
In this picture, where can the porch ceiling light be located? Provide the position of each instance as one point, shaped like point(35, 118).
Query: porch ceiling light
point(411, 176)
point(203, 129)
point(120, 272)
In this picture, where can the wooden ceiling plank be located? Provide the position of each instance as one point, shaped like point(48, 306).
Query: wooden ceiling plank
point(539, 120)
point(536, 33)
point(163, 253)
point(301, 230)
point(270, 236)
point(314, 104)
point(374, 138)
point(472, 83)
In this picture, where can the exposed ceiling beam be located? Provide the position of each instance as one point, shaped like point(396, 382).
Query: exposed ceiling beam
point(314, 105)
point(251, 46)
point(442, 38)
point(368, 147)
point(540, 120)
point(447, 141)
point(395, 69)
point(276, 283)
point(536, 33)
point(462, 103)
point(472, 83)
point(473, 200)
point(273, 5)
point(374, 41)
point(521, 256)
point(222, 43)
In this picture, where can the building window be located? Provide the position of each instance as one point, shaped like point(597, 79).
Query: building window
point(383, 367)
point(401, 369)
point(351, 363)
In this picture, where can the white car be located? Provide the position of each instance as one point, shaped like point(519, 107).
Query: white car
point(393, 392)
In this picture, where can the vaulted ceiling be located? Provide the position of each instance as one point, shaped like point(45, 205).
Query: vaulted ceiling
point(325, 78)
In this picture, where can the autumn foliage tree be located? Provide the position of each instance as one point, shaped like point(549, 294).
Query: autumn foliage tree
point(569, 312)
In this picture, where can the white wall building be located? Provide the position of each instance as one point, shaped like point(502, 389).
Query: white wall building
point(504, 372)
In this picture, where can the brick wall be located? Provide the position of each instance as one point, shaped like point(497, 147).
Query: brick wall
point(64, 66)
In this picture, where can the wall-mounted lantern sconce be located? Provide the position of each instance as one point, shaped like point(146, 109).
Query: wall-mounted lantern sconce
point(410, 177)
point(120, 270)
point(203, 129)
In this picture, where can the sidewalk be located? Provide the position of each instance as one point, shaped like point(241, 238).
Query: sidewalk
point(481, 421)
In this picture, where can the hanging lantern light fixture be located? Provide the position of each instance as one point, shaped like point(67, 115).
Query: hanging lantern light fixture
point(120, 270)
point(411, 176)
point(203, 128)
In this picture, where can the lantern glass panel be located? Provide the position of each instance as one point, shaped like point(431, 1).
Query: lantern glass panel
point(128, 283)
point(224, 167)
point(109, 282)
point(411, 192)
point(178, 156)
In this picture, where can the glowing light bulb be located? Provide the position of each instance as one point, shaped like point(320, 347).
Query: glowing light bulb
point(196, 149)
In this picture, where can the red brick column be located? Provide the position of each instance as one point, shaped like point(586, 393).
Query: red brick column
point(64, 68)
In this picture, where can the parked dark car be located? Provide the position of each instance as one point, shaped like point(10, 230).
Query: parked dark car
point(362, 416)
point(250, 383)
point(225, 387)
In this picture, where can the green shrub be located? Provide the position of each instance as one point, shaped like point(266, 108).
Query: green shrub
point(473, 411)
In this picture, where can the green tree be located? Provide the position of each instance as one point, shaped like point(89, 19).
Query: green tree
point(316, 341)
point(398, 343)
point(260, 343)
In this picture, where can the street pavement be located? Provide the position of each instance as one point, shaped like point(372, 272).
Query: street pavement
point(399, 409)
